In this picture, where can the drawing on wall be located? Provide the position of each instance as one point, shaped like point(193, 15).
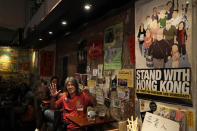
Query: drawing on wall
point(8, 60)
point(163, 33)
point(113, 39)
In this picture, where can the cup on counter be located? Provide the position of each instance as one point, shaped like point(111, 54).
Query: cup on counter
point(101, 114)
point(91, 115)
point(80, 111)
point(101, 110)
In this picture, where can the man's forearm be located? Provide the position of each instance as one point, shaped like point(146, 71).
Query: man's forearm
point(52, 103)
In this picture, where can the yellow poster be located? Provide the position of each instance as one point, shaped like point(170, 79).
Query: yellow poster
point(92, 86)
point(125, 77)
point(190, 119)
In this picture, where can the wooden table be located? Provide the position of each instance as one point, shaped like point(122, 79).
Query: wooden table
point(83, 122)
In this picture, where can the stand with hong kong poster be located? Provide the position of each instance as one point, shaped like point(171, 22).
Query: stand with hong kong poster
point(163, 56)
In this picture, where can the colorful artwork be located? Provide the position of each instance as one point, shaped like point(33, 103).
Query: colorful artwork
point(16, 60)
point(113, 39)
point(25, 62)
point(163, 33)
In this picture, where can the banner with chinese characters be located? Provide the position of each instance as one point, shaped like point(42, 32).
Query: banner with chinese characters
point(113, 39)
point(95, 50)
point(157, 123)
point(46, 63)
point(131, 43)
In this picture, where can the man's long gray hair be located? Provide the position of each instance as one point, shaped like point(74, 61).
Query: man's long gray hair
point(74, 82)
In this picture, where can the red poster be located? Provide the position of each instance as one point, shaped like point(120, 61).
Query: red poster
point(132, 48)
point(46, 63)
point(95, 49)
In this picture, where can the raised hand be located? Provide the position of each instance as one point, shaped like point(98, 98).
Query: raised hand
point(53, 90)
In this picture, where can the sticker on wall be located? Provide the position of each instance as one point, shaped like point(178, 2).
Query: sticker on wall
point(100, 71)
point(95, 72)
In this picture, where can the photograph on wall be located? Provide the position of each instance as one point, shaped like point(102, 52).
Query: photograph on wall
point(163, 36)
point(123, 92)
point(113, 39)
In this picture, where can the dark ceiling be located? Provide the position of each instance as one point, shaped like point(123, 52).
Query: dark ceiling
point(75, 15)
point(7, 35)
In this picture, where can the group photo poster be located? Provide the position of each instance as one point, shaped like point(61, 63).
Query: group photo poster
point(163, 33)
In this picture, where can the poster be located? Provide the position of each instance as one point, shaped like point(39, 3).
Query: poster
point(131, 43)
point(173, 114)
point(8, 60)
point(113, 39)
point(99, 94)
point(190, 119)
point(180, 114)
point(46, 63)
point(26, 61)
point(123, 93)
point(154, 122)
point(125, 77)
point(95, 50)
point(174, 83)
point(163, 33)
point(92, 86)
point(100, 71)
point(16, 60)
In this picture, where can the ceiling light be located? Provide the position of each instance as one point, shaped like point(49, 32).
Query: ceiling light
point(50, 32)
point(40, 39)
point(87, 6)
point(64, 23)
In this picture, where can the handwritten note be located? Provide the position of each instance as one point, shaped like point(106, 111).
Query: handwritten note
point(157, 123)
